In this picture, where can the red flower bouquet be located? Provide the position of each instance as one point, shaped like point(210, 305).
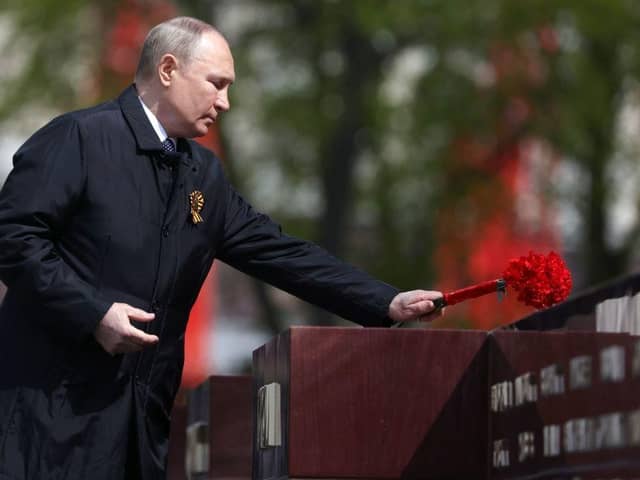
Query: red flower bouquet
point(541, 281)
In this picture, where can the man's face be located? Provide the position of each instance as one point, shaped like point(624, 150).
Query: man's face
point(199, 90)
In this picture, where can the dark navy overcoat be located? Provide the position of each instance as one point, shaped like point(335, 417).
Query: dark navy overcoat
point(93, 213)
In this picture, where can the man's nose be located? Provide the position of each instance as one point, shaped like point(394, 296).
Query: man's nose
point(222, 101)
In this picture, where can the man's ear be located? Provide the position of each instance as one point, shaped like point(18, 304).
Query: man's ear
point(166, 68)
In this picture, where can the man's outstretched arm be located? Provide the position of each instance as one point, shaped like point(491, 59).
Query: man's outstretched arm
point(254, 244)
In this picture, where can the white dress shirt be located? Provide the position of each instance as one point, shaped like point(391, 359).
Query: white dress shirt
point(155, 123)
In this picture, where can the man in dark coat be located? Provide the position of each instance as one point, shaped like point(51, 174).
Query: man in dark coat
point(109, 223)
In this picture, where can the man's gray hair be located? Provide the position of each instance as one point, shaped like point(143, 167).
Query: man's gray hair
point(178, 36)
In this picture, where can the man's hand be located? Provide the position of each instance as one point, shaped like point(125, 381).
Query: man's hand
point(116, 334)
point(414, 305)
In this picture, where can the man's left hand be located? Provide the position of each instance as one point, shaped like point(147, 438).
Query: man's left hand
point(416, 305)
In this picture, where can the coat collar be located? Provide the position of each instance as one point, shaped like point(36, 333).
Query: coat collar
point(146, 137)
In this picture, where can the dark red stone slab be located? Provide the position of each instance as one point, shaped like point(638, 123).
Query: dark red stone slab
point(586, 447)
point(230, 426)
point(377, 403)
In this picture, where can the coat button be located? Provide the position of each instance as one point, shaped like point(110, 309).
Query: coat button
point(165, 231)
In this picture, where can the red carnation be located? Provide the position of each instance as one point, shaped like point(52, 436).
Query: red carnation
point(541, 281)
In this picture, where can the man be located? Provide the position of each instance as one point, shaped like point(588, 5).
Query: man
point(106, 234)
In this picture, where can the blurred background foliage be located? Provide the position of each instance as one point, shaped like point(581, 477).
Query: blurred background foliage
point(427, 141)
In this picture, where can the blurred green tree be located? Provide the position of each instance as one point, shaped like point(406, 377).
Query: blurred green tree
point(399, 135)
point(53, 49)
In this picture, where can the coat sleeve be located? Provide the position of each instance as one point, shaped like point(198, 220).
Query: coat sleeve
point(255, 245)
point(37, 199)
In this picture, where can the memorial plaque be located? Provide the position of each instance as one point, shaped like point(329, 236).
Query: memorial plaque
point(585, 422)
point(376, 403)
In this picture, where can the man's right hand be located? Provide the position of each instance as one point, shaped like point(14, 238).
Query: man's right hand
point(116, 334)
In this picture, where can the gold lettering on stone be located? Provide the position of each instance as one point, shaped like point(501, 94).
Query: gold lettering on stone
point(578, 435)
point(551, 380)
point(501, 396)
point(580, 372)
point(612, 364)
point(501, 453)
point(526, 389)
point(633, 428)
point(551, 440)
point(527, 448)
point(609, 432)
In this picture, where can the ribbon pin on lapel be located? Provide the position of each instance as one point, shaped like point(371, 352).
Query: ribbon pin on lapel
point(196, 201)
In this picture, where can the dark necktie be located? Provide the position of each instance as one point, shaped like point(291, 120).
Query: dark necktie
point(168, 162)
point(168, 146)
point(171, 159)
